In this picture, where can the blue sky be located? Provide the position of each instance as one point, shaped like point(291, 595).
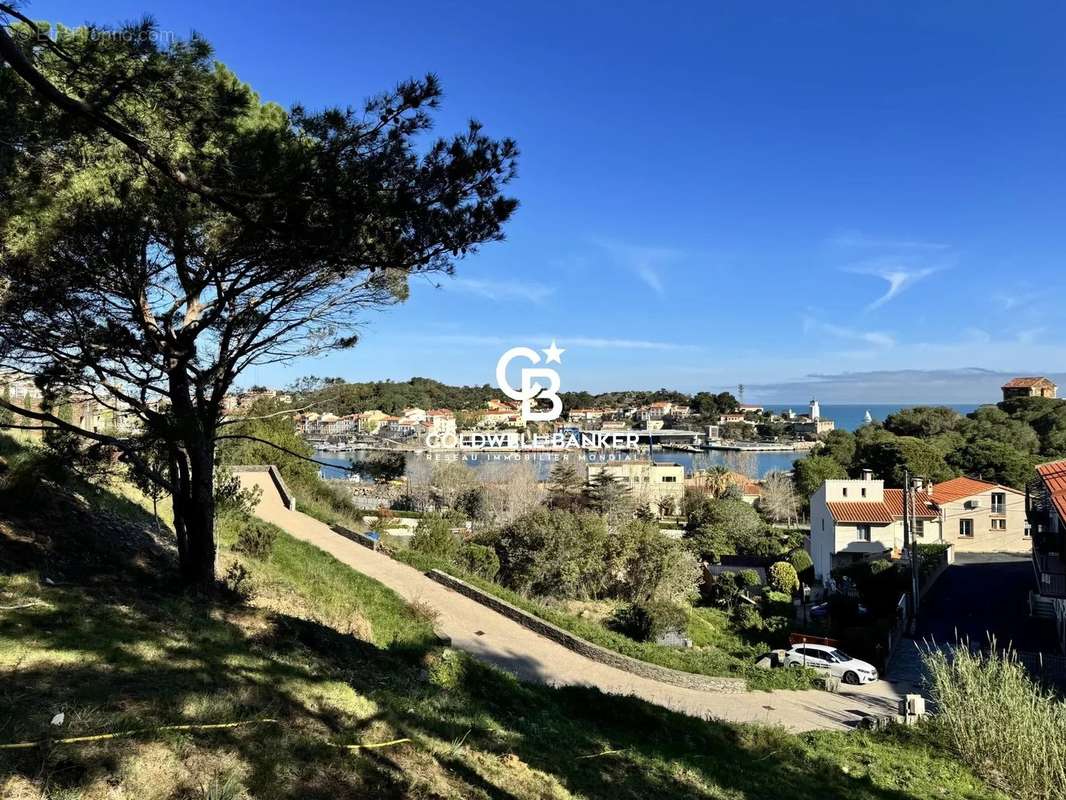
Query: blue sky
point(712, 193)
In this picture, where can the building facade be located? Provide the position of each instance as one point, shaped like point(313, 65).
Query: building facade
point(856, 519)
point(649, 482)
point(1030, 387)
point(1046, 511)
point(982, 517)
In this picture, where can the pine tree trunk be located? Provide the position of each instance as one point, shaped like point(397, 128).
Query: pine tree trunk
point(199, 569)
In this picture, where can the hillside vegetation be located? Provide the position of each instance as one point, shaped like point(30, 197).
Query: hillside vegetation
point(333, 687)
point(999, 443)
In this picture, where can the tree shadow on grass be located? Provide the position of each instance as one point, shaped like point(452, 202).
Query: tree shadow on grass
point(131, 654)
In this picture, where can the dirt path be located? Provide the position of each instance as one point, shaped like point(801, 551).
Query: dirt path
point(498, 640)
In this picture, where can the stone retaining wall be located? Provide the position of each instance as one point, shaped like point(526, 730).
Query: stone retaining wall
point(287, 497)
point(686, 680)
point(358, 538)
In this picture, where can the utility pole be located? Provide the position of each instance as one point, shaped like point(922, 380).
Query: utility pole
point(915, 584)
point(910, 542)
point(907, 535)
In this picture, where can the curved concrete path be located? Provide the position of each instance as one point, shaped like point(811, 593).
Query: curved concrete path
point(500, 641)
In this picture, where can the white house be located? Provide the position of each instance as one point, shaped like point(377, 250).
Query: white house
point(858, 518)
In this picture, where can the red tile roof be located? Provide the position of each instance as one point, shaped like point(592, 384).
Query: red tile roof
point(1054, 477)
point(922, 501)
point(958, 488)
point(858, 511)
point(1026, 383)
point(869, 511)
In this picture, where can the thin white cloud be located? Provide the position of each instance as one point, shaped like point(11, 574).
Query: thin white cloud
point(502, 290)
point(1030, 335)
point(855, 240)
point(899, 278)
point(644, 262)
point(651, 277)
point(576, 342)
point(626, 344)
point(878, 339)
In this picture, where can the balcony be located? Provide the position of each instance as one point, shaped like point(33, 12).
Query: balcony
point(1050, 572)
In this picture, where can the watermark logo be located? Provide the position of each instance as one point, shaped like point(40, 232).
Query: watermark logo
point(531, 389)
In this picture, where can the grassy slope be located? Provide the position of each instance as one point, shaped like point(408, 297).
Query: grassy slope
point(339, 659)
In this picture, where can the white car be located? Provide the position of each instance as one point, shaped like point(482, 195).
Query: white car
point(828, 659)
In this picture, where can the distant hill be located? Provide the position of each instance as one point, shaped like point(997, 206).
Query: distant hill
point(341, 397)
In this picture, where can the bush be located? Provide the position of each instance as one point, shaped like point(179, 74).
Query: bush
point(777, 604)
point(646, 622)
point(783, 578)
point(1010, 731)
point(479, 559)
point(236, 584)
point(748, 578)
point(257, 540)
point(656, 568)
point(747, 618)
point(802, 563)
point(434, 537)
point(447, 668)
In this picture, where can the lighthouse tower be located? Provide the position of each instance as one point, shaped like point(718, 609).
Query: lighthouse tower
point(816, 410)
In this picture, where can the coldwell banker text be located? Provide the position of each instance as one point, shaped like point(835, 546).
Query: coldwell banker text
point(513, 440)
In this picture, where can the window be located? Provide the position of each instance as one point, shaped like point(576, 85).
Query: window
point(919, 527)
point(863, 491)
point(999, 524)
point(999, 502)
point(669, 479)
point(862, 533)
point(966, 528)
point(845, 491)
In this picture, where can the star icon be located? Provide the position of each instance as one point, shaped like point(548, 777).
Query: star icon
point(553, 352)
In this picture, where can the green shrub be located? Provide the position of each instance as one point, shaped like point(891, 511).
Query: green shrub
point(236, 584)
point(777, 603)
point(434, 537)
point(747, 618)
point(783, 578)
point(802, 563)
point(479, 560)
point(1009, 730)
point(749, 578)
point(257, 540)
point(646, 622)
point(446, 668)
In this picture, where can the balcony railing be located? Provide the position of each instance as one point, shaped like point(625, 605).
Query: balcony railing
point(1050, 574)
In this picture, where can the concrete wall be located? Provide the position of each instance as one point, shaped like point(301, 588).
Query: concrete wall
point(686, 680)
point(287, 497)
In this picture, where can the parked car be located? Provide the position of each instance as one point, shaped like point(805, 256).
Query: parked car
point(831, 660)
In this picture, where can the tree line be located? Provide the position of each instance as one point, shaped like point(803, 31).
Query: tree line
point(1001, 443)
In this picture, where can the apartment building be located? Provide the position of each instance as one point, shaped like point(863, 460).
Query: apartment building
point(649, 481)
point(1046, 512)
point(860, 518)
point(981, 517)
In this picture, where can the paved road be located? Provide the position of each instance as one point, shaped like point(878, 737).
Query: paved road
point(983, 595)
point(500, 641)
point(980, 596)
